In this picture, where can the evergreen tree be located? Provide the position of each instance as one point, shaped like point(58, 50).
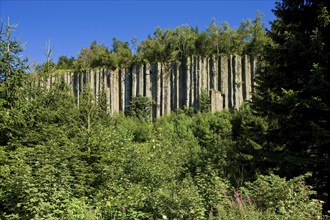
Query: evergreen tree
point(10, 61)
point(293, 91)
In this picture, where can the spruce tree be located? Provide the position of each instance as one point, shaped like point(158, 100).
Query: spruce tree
point(293, 91)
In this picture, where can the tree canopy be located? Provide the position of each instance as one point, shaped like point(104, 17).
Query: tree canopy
point(292, 92)
point(174, 45)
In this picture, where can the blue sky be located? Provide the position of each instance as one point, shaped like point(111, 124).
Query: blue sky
point(73, 24)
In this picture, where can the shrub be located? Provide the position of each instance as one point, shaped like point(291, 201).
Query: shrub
point(291, 199)
point(140, 107)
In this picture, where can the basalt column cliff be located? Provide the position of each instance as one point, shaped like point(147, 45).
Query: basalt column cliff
point(227, 79)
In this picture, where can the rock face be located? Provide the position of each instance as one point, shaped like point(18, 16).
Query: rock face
point(227, 79)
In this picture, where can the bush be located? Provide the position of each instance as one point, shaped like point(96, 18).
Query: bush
point(140, 107)
point(291, 199)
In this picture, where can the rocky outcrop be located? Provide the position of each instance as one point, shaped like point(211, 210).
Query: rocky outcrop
point(227, 79)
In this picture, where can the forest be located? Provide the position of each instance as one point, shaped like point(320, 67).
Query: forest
point(60, 159)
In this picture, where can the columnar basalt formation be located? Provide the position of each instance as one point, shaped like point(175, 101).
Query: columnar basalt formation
point(227, 79)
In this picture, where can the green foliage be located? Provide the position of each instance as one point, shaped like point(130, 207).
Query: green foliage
point(185, 41)
point(46, 68)
point(204, 102)
point(123, 52)
point(59, 160)
point(65, 63)
point(140, 107)
point(259, 38)
point(245, 155)
point(214, 135)
point(289, 198)
point(171, 45)
point(293, 95)
point(10, 49)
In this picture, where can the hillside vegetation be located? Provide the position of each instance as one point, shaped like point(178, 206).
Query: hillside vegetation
point(267, 160)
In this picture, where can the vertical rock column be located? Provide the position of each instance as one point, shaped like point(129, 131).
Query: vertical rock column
point(128, 86)
point(121, 78)
point(195, 80)
point(246, 75)
point(213, 73)
point(148, 89)
point(107, 88)
point(231, 80)
point(148, 84)
point(224, 80)
point(254, 64)
point(81, 84)
point(187, 74)
point(192, 86)
point(199, 74)
point(237, 82)
point(205, 85)
point(75, 86)
point(162, 90)
point(116, 90)
point(167, 88)
point(140, 80)
point(114, 97)
point(216, 100)
point(68, 79)
point(172, 86)
point(205, 75)
point(92, 83)
point(65, 78)
point(177, 85)
point(134, 79)
point(97, 86)
point(153, 80)
point(157, 88)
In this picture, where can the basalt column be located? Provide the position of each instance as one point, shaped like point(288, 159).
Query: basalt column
point(173, 85)
point(106, 87)
point(76, 86)
point(158, 84)
point(148, 85)
point(231, 79)
point(189, 82)
point(199, 74)
point(122, 94)
point(224, 79)
point(156, 88)
point(204, 75)
point(177, 85)
point(227, 79)
point(237, 81)
point(92, 83)
point(167, 88)
point(134, 80)
point(195, 79)
point(114, 91)
point(253, 64)
point(127, 86)
point(246, 75)
point(216, 100)
point(213, 73)
point(139, 80)
point(161, 88)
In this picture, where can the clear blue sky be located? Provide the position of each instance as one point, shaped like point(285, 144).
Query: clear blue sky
point(72, 24)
